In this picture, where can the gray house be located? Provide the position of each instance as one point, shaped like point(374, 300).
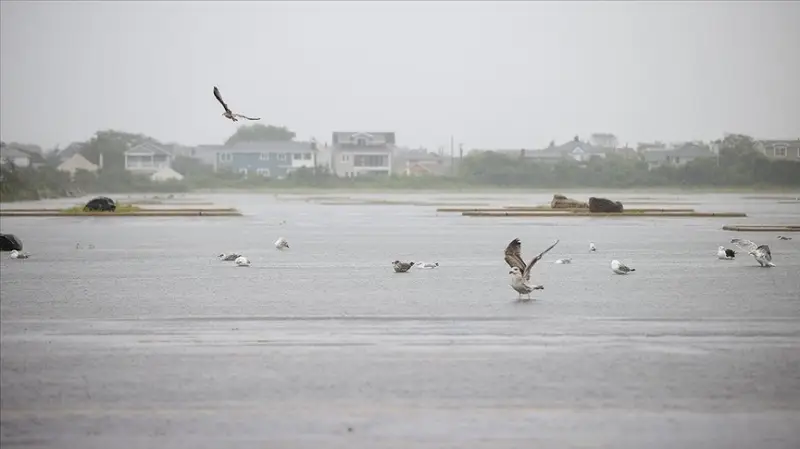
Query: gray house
point(675, 157)
point(780, 149)
point(269, 159)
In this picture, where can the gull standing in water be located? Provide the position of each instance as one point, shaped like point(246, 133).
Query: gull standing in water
point(281, 243)
point(520, 272)
point(760, 253)
point(725, 253)
point(564, 260)
point(592, 248)
point(242, 261)
point(620, 268)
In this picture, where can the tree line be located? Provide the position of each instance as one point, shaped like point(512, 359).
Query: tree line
point(738, 164)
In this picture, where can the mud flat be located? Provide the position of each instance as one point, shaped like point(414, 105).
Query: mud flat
point(762, 228)
point(559, 213)
point(539, 209)
point(187, 212)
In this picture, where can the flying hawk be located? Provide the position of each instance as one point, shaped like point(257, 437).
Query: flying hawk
point(228, 113)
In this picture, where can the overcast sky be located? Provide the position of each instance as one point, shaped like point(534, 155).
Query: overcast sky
point(494, 75)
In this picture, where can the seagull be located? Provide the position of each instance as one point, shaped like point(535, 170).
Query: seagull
point(402, 267)
point(18, 255)
point(281, 244)
point(229, 257)
point(427, 265)
point(592, 248)
point(564, 260)
point(521, 273)
point(242, 261)
point(228, 114)
point(620, 268)
point(760, 253)
point(780, 237)
point(725, 253)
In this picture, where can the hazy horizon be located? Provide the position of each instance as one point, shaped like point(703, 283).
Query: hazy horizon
point(493, 75)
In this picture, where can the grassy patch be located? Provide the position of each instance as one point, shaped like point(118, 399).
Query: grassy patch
point(121, 208)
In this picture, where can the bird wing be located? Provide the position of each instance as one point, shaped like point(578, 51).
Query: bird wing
point(764, 252)
point(513, 255)
point(623, 267)
point(219, 98)
point(246, 117)
point(745, 245)
point(527, 273)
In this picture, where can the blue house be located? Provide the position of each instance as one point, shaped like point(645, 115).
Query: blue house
point(268, 159)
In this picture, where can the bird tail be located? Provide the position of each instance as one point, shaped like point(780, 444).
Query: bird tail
point(633, 269)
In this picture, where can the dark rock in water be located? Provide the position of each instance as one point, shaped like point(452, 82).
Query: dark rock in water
point(604, 205)
point(100, 204)
point(10, 242)
point(562, 202)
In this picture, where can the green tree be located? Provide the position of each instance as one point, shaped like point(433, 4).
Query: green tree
point(260, 133)
point(113, 145)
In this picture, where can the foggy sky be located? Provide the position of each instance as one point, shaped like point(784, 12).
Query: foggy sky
point(495, 75)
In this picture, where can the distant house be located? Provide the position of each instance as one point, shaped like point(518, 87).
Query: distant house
point(21, 155)
point(147, 158)
point(362, 153)
point(675, 157)
point(421, 163)
point(780, 149)
point(77, 162)
point(14, 156)
point(574, 150)
point(273, 159)
point(166, 174)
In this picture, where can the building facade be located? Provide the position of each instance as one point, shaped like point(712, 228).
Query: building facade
point(267, 159)
point(362, 153)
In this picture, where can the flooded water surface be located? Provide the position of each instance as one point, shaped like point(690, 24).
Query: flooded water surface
point(148, 340)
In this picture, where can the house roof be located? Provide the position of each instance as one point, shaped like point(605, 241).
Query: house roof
point(148, 148)
point(788, 143)
point(13, 153)
point(338, 135)
point(77, 160)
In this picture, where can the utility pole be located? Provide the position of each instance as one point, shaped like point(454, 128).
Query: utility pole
point(451, 155)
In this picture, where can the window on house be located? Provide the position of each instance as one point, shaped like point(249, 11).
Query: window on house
point(263, 156)
point(780, 151)
point(263, 172)
point(225, 157)
point(281, 157)
point(345, 157)
point(298, 156)
point(307, 156)
point(362, 142)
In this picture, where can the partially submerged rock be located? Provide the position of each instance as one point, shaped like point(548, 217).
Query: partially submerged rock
point(10, 242)
point(604, 205)
point(562, 202)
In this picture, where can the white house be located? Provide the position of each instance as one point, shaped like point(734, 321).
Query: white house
point(147, 158)
point(362, 153)
point(78, 162)
point(166, 174)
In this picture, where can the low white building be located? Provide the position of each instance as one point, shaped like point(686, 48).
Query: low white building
point(166, 174)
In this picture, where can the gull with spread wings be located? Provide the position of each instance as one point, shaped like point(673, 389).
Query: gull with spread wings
point(228, 113)
point(760, 253)
point(521, 273)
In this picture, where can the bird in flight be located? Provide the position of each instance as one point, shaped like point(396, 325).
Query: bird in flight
point(228, 114)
